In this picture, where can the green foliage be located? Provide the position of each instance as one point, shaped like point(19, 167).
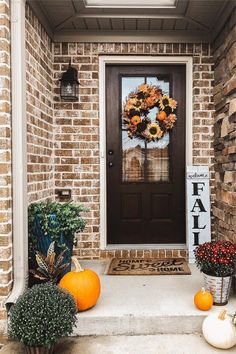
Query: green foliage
point(42, 315)
point(234, 319)
point(66, 219)
point(50, 266)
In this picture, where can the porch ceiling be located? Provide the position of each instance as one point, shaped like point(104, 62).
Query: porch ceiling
point(86, 20)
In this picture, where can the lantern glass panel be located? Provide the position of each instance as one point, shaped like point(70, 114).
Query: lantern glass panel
point(69, 91)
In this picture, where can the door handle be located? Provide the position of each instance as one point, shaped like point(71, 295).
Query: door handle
point(110, 152)
point(110, 164)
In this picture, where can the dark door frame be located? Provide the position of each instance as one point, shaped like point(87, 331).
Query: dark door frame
point(103, 61)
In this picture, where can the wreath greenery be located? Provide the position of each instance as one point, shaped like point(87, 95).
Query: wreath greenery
point(137, 108)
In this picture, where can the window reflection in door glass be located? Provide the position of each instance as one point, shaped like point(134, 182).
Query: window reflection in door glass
point(143, 161)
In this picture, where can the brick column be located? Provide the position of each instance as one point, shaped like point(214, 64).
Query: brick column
point(225, 128)
point(39, 110)
point(5, 162)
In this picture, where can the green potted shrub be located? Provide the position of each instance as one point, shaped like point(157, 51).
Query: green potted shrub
point(41, 316)
point(53, 222)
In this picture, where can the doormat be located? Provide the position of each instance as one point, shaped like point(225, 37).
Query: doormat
point(152, 266)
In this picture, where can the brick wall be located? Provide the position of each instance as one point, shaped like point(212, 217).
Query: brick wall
point(40, 134)
point(77, 126)
point(5, 162)
point(225, 131)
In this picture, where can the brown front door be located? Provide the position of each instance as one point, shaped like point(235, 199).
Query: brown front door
point(145, 181)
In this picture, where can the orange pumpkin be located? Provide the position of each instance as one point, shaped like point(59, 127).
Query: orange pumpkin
point(135, 120)
point(203, 300)
point(150, 101)
point(83, 285)
point(161, 115)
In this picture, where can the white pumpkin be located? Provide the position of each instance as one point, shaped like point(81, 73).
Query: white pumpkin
point(219, 330)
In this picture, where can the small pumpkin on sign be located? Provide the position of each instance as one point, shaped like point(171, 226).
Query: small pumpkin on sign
point(83, 285)
point(219, 330)
point(203, 300)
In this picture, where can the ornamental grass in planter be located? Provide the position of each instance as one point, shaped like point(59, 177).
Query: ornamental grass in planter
point(217, 261)
point(50, 266)
point(41, 316)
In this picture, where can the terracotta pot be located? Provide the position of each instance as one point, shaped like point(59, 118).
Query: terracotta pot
point(39, 350)
point(219, 288)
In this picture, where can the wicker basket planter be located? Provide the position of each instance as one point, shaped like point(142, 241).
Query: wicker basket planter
point(40, 350)
point(219, 288)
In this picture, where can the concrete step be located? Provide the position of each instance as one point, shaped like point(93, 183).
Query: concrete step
point(158, 344)
point(145, 305)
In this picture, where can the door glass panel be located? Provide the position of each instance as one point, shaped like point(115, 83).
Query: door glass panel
point(133, 159)
point(144, 161)
point(129, 84)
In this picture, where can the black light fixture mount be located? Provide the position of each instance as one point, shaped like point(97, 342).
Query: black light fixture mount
point(69, 84)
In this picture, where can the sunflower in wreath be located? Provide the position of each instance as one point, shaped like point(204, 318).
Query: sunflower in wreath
point(136, 111)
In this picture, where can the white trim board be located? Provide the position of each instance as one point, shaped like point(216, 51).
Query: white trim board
point(161, 36)
point(19, 151)
point(103, 61)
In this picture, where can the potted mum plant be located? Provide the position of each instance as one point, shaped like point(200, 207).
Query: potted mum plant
point(217, 261)
point(53, 222)
point(41, 316)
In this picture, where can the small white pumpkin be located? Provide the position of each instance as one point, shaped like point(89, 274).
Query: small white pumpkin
point(219, 331)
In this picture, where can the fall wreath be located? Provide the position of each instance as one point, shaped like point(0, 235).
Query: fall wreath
point(136, 111)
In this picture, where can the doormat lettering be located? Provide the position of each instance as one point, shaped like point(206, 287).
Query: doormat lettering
point(152, 266)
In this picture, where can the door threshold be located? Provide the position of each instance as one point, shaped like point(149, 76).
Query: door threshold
point(154, 246)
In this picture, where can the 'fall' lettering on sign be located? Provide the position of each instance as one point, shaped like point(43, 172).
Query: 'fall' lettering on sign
point(198, 207)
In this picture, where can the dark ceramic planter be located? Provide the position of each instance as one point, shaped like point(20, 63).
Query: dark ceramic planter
point(40, 350)
point(43, 243)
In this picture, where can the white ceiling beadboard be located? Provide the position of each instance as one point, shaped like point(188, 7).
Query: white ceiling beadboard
point(133, 20)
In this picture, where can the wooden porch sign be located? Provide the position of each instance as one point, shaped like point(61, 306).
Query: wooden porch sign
point(198, 208)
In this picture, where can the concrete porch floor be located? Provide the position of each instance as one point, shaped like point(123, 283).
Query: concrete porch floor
point(140, 314)
point(157, 344)
point(136, 305)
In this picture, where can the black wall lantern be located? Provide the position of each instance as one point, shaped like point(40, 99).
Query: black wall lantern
point(69, 84)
